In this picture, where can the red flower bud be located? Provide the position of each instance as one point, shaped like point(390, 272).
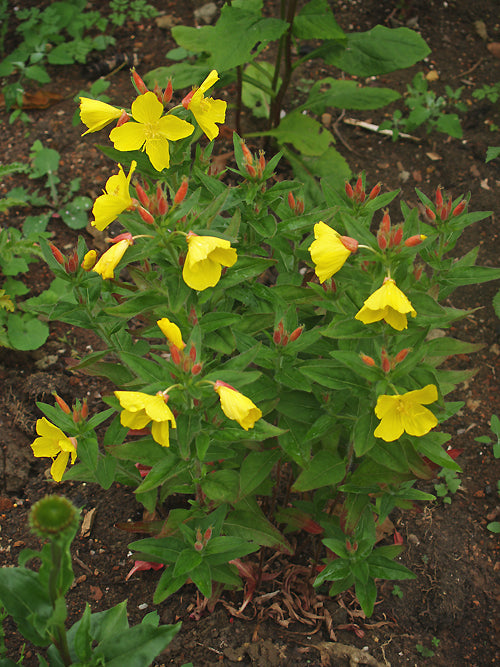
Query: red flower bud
point(417, 272)
point(299, 207)
point(251, 170)
point(198, 546)
point(193, 318)
point(180, 195)
point(385, 225)
point(396, 236)
point(367, 360)
point(430, 214)
point(284, 340)
point(167, 95)
point(439, 198)
point(386, 364)
point(349, 243)
point(447, 210)
point(192, 353)
point(262, 161)
point(246, 153)
point(398, 538)
point(401, 355)
point(62, 404)
point(141, 193)
point(146, 215)
point(186, 100)
point(158, 92)
point(375, 192)
point(163, 206)
point(277, 337)
point(196, 369)
point(296, 333)
point(459, 208)
point(138, 82)
point(207, 535)
point(124, 118)
point(414, 240)
point(291, 201)
point(175, 354)
point(359, 187)
point(348, 190)
point(58, 256)
point(85, 409)
point(72, 263)
point(381, 240)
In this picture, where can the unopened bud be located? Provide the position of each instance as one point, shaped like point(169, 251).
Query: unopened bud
point(291, 201)
point(193, 318)
point(396, 236)
point(180, 195)
point(367, 360)
point(359, 187)
point(146, 215)
point(141, 194)
point(439, 198)
point(72, 263)
point(138, 82)
point(381, 240)
point(349, 243)
point(246, 153)
point(430, 214)
point(262, 161)
point(401, 355)
point(207, 535)
point(251, 170)
point(277, 336)
point(299, 207)
point(161, 200)
point(192, 353)
point(459, 208)
point(62, 403)
point(196, 369)
point(415, 240)
point(167, 95)
point(296, 333)
point(417, 272)
point(375, 192)
point(158, 92)
point(386, 364)
point(85, 409)
point(175, 355)
point(348, 190)
point(385, 225)
point(284, 340)
point(445, 214)
point(89, 260)
point(58, 256)
point(124, 118)
point(198, 546)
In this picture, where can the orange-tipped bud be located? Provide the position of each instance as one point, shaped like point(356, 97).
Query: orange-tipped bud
point(277, 336)
point(246, 153)
point(76, 415)
point(359, 187)
point(187, 100)
point(207, 535)
point(385, 225)
point(124, 118)
point(459, 208)
point(375, 192)
point(367, 360)
point(401, 355)
point(158, 92)
point(198, 546)
point(299, 207)
point(62, 403)
point(430, 214)
point(415, 240)
point(180, 195)
point(349, 243)
point(251, 170)
point(381, 240)
point(141, 194)
point(386, 364)
point(417, 271)
point(446, 210)
point(89, 261)
point(262, 161)
point(193, 318)
point(348, 190)
point(196, 369)
point(439, 198)
point(396, 236)
point(167, 95)
point(146, 215)
point(58, 256)
point(291, 201)
point(72, 263)
point(296, 333)
point(192, 353)
point(138, 82)
point(163, 206)
point(284, 340)
point(175, 354)
point(85, 409)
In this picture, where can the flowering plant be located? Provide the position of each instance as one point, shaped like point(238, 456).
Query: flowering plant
point(257, 346)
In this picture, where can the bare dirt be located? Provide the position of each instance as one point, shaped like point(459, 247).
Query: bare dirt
point(450, 608)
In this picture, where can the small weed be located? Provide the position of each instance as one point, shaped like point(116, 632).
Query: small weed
point(397, 592)
point(428, 652)
point(451, 484)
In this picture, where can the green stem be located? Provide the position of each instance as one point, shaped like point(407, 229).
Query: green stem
point(287, 73)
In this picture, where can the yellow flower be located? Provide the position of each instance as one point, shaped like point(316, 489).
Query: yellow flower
point(405, 412)
point(139, 409)
point(387, 303)
point(115, 200)
point(206, 110)
point(330, 250)
point(205, 258)
point(89, 261)
point(107, 263)
point(151, 131)
point(54, 444)
point(236, 406)
point(171, 332)
point(96, 115)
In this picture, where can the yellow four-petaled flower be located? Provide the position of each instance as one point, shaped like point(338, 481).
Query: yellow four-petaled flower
point(387, 303)
point(405, 413)
point(115, 200)
point(108, 262)
point(204, 261)
point(236, 406)
point(139, 409)
point(55, 444)
point(330, 250)
point(206, 110)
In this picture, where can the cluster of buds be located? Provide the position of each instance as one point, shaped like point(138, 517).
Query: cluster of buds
point(358, 194)
point(157, 204)
point(164, 96)
point(282, 337)
point(297, 205)
point(391, 237)
point(386, 363)
point(79, 411)
point(187, 362)
point(443, 209)
point(254, 168)
point(70, 264)
point(202, 540)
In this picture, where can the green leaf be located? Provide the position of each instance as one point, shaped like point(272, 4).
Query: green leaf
point(254, 97)
point(136, 647)
point(188, 560)
point(367, 594)
point(306, 134)
point(379, 51)
point(382, 567)
point(26, 332)
point(249, 523)
point(201, 576)
point(340, 94)
point(316, 21)
point(236, 39)
point(221, 485)
point(25, 599)
point(256, 468)
point(325, 469)
point(75, 213)
point(492, 153)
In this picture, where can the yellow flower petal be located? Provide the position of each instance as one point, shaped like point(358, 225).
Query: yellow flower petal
point(405, 413)
point(128, 137)
point(96, 114)
point(206, 110)
point(111, 258)
point(387, 303)
point(206, 254)
point(327, 251)
point(59, 466)
point(134, 420)
point(237, 407)
point(147, 108)
point(53, 443)
point(158, 153)
point(171, 332)
point(161, 433)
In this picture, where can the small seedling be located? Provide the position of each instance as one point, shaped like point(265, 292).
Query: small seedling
point(451, 484)
point(397, 592)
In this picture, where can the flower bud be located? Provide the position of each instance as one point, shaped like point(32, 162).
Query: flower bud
point(385, 225)
point(192, 353)
point(141, 194)
point(439, 198)
point(284, 340)
point(52, 515)
point(167, 95)
point(447, 210)
point(401, 355)
point(262, 161)
point(359, 188)
point(62, 403)
point(296, 333)
point(58, 256)
point(385, 363)
point(277, 336)
point(367, 360)
point(417, 271)
point(299, 207)
point(430, 214)
point(415, 240)
point(348, 190)
point(207, 535)
point(396, 236)
point(198, 546)
point(349, 243)
point(124, 118)
point(291, 201)
point(375, 192)
point(161, 200)
point(459, 208)
point(146, 215)
point(196, 369)
point(381, 240)
point(251, 170)
point(175, 355)
point(89, 260)
point(180, 195)
point(246, 153)
point(158, 92)
point(72, 263)
point(138, 82)
point(84, 412)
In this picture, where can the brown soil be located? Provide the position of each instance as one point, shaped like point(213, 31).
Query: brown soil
point(455, 557)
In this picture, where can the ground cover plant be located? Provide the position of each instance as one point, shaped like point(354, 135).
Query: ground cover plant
point(248, 568)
